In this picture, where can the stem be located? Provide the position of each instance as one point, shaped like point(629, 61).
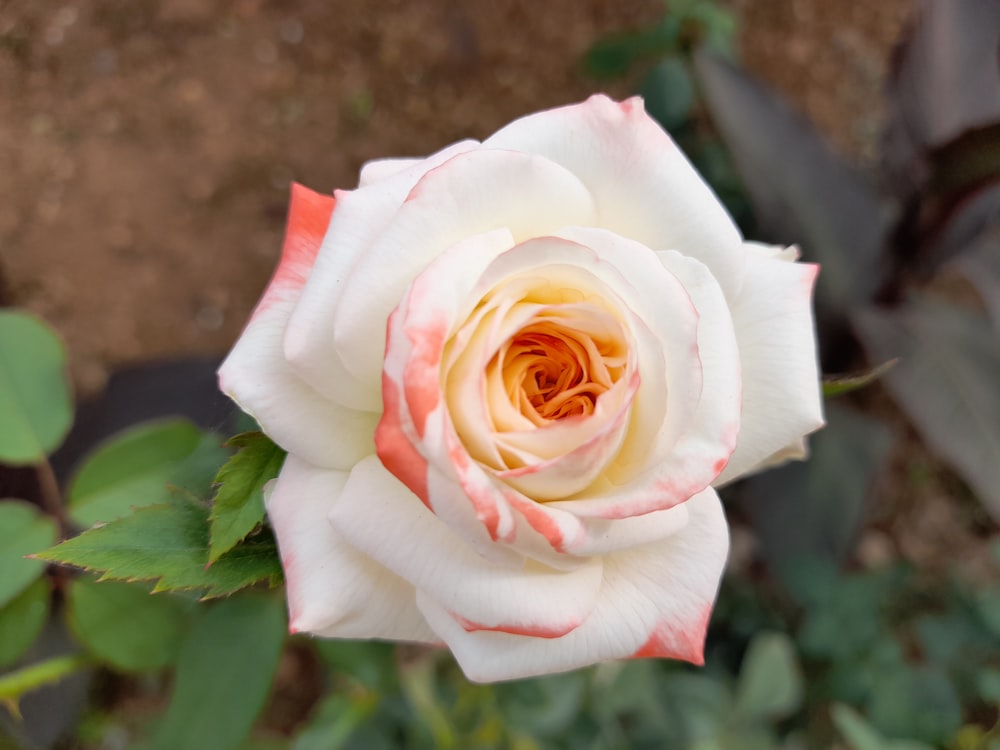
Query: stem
point(15, 684)
point(48, 486)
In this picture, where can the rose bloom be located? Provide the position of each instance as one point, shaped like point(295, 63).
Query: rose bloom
point(509, 377)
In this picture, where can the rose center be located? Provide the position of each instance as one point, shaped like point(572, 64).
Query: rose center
point(553, 370)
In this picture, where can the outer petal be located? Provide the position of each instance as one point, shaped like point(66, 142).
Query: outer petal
point(382, 169)
point(643, 185)
point(334, 590)
point(256, 375)
point(363, 215)
point(655, 601)
point(472, 194)
point(382, 518)
point(781, 397)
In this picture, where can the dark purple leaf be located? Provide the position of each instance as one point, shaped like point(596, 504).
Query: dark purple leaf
point(813, 510)
point(801, 190)
point(945, 81)
point(981, 265)
point(948, 382)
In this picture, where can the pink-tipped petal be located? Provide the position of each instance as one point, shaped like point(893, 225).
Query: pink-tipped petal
point(781, 392)
point(700, 432)
point(256, 375)
point(333, 590)
point(364, 215)
point(643, 185)
point(655, 600)
point(474, 193)
point(383, 519)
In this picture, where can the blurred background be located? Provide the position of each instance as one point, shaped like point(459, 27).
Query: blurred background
point(146, 151)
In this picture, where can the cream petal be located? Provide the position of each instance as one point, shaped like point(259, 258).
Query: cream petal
point(333, 589)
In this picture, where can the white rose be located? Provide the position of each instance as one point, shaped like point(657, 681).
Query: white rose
point(508, 377)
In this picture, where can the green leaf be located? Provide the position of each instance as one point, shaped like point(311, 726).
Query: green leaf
point(947, 384)
point(239, 502)
point(21, 621)
point(336, 718)
point(916, 702)
point(23, 530)
point(126, 626)
point(135, 468)
point(36, 408)
point(15, 684)
point(169, 543)
point(224, 673)
point(770, 685)
point(860, 735)
point(669, 92)
point(837, 385)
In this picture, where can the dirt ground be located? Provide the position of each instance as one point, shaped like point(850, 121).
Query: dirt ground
point(146, 146)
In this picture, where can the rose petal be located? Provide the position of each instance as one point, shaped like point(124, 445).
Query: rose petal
point(643, 185)
point(781, 395)
point(382, 518)
point(333, 590)
point(256, 375)
point(700, 431)
point(655, 600)
point(364, 214)
point(471, 194)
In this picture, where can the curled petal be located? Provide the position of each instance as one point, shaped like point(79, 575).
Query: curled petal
point(781, 397)
point(655, 600)
point(643, 185)
point(333, 589)
point(364, 214)
point(256, 375)
point(380, 517)
point(471, 194)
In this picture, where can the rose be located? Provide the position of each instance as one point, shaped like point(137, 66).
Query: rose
point(508, 377)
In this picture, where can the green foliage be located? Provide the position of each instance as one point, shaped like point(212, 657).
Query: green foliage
point(238, 506)
point(21, 620)
point(861, 735)
point(838, 385)
point(669, 92)
point(224, 672)
point(35, 402)
point(770, 684)
point(23, 531)
point(169, 544)
point(125, 625)
point(685, 25)
point(139, 466)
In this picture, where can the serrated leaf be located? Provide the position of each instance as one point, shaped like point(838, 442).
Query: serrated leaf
point(126, 626)
point(169, 544)
point(35, 403)
point(225, 669)
point(23, 531)
point(947, 384)
point(837, 385)
point(770, 685)
point(21, 620)
point(138, 466)
point(239, 502)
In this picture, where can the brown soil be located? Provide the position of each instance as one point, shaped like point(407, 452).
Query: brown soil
point(146, 146)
